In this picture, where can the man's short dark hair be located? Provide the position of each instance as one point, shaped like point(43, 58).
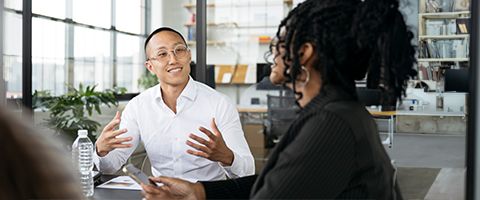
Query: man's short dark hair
point(160, 30)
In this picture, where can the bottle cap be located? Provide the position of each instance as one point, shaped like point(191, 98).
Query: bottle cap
point(82, 132)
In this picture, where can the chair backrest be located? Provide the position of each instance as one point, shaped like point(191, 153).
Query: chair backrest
point(281, 112)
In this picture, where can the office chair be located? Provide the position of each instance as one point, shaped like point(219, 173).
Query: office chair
point(281, 112)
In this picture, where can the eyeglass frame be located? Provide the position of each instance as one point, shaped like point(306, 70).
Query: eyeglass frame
point(168, 52)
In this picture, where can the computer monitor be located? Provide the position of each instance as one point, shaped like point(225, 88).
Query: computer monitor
point(456, 80)
point(263, 80)
point(210, 76)
point(369, 97)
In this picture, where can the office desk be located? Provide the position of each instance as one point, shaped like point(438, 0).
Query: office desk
point(252, 109)
point(258, 113)
point(252, 114)
point(101, 193)
point(390, 116)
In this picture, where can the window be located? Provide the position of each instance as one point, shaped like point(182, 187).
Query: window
point(48, 56)
point(12, 54)
point(93, 12)
point(128, 22)
point(52, 8)
point(13, 4)
point(129, 61)
point(92, 58)
point(69, 53)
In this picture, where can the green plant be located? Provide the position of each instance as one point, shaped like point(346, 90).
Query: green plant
point(67, 112)
point(148, 80)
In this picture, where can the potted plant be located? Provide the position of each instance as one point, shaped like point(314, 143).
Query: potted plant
point(73, 111)
point(148, 80)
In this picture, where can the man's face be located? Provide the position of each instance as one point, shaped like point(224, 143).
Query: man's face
point(168, 58)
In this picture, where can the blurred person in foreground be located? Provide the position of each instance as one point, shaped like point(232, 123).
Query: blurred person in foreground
point(33, 166)
point(332, 150)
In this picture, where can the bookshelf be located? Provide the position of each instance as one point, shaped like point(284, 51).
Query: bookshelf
point(456, 36)
point(443, 39)
point(238, 35)
point(443, 59)
point(227, 28)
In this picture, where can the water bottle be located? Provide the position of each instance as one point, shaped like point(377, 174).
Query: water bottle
point(82, 152)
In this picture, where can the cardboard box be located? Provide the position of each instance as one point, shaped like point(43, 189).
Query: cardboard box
point(254, 135)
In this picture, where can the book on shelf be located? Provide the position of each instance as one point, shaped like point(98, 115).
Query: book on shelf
point(461, 5)
point(451, 48)
point(463, 25)
point(435, 6)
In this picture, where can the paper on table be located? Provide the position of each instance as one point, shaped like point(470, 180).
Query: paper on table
point(121, 183)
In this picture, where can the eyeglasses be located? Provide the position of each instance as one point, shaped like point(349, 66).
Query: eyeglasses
point(180, 52)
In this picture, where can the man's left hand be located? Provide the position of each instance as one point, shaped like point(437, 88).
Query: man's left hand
point(213, 149)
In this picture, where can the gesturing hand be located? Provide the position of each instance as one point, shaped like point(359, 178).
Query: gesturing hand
point(108, 140)
point(213, 149)
point(173, 188)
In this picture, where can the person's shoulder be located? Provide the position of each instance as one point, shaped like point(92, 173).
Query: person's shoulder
point(210, 93)
point(147, 94)
point(336, 113)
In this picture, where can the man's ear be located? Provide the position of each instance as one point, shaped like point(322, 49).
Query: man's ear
point(149, 67)
point(306, 53)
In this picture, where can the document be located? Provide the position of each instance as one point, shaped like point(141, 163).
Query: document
point(121, 183)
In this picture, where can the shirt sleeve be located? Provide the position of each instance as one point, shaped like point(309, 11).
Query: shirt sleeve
point(112, 162)
point(318, 163)
point(229, 125)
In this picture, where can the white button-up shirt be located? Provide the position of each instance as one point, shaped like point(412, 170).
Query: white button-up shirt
point(164, 133)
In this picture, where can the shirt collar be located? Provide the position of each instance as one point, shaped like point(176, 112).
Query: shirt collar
point(190, 90)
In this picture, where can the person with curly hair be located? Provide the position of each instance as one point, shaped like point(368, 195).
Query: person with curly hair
point(332, 150)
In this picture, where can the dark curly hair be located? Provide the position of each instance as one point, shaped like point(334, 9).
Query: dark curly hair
point(351, 38)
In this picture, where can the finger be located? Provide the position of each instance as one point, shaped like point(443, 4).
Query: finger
point(214, 127)
point(150, 189)
point(198, 153)
point(208, 133)
point(199, 147)
point(200, 140)
point(112, 124)
point(168, 181)
point(120, 140)
point(117, 115)
point(121, 145)
point(118, 132)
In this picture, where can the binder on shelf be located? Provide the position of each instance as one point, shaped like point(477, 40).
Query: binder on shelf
point(244, 74)
point(240, 74)
point(463, 25)
point(224, 73)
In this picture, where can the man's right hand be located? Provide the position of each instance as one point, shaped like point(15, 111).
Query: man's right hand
point(109, 141)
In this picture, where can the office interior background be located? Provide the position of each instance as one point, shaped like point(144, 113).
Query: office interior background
point(75, 44)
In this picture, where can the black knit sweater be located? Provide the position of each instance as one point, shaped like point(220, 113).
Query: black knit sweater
point(331, 151)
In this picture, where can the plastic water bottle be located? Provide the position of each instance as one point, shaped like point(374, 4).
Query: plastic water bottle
point(82, 152)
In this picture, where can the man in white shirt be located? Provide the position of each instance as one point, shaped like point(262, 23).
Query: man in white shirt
point(170, 120)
